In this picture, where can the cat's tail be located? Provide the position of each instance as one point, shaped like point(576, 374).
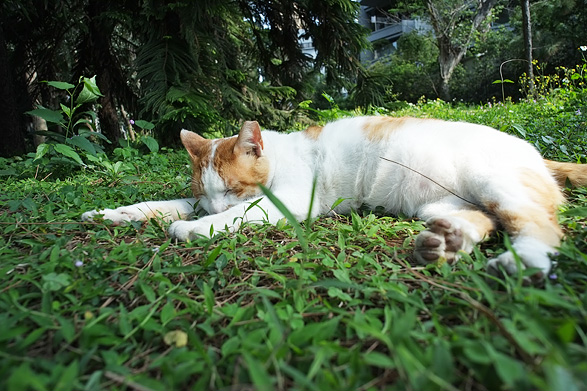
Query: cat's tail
point(571, 172)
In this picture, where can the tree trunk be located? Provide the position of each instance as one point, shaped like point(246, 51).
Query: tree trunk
point(448, 60)
point(11, 130)
point(527, 30)
point(109, 121)
point(100, 30)
point(451, 50)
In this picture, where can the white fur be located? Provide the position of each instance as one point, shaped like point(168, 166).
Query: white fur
point(167, 210)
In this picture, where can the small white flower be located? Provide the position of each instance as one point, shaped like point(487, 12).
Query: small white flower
point(155, 249)
point(583, 48)
point(78, 263)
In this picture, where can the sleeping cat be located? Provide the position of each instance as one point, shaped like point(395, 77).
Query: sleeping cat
point(464, 180)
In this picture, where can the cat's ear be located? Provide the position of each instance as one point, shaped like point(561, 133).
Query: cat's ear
point(193, 143)
point(249, 139)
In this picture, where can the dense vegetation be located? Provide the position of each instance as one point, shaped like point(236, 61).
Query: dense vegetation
point(336, 304)
point(202, 65)
point(206, 65)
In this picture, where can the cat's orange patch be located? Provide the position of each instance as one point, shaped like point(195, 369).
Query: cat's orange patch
point(313, 132)
point(482, 222)
point(241, 172)
point(199, 150)
point(379, 128)
point(538, 219)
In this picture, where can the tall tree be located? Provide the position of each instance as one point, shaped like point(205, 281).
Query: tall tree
point(456, 23)
point(96, 50)
point(33, 32)
point(207, 60)
point(527, 32)
point(11, 131)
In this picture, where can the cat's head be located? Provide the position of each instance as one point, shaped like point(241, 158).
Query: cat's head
point(227, 171)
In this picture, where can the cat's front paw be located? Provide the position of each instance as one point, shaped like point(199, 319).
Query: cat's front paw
point(188, 230)
point(117, 216)
point(441, 241)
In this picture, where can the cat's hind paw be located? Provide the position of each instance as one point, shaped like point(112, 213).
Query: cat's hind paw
point(506, 264)
point(440, 242)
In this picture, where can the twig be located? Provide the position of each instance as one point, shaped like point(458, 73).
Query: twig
point(501, 75)
point(432, 180)
point(129, 383)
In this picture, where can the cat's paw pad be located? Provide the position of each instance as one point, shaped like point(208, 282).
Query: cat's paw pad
point(117, 216)
point(441, 241)
point(188, 230)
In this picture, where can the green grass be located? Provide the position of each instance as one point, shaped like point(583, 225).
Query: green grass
point(97, 307)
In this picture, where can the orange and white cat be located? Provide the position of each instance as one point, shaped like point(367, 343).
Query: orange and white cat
point(464, 180)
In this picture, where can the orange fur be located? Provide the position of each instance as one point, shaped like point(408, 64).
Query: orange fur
point(539, 217)
point(575, 173)
point(378, 128)
point(313, 132)
point(236, 160)
point(241, 171)
point(482, 222)
point(199, 150)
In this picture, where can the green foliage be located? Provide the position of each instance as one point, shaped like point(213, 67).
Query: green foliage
point(412, 72)
point(75, 143)
point(206, 66)
point(202, 65)
point(559, 29)
point(413, 68)
point(232, 61)
point(326, 304)
point(373, 88)
point(325, 115)
point(75, 128)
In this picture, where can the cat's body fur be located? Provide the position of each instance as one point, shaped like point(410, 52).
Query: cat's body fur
point(463, 179)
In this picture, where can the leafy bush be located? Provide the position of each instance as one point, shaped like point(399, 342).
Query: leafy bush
point(75, 142)
point(75, 129)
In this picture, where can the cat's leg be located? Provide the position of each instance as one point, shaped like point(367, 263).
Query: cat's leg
point(535, 234)
point(527, 211)
point(452, 226)
point(232, 218)
point(167, 210)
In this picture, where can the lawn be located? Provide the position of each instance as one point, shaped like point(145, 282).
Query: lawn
point(335, 305)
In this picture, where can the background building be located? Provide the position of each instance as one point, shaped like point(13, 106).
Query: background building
point(386, 28)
